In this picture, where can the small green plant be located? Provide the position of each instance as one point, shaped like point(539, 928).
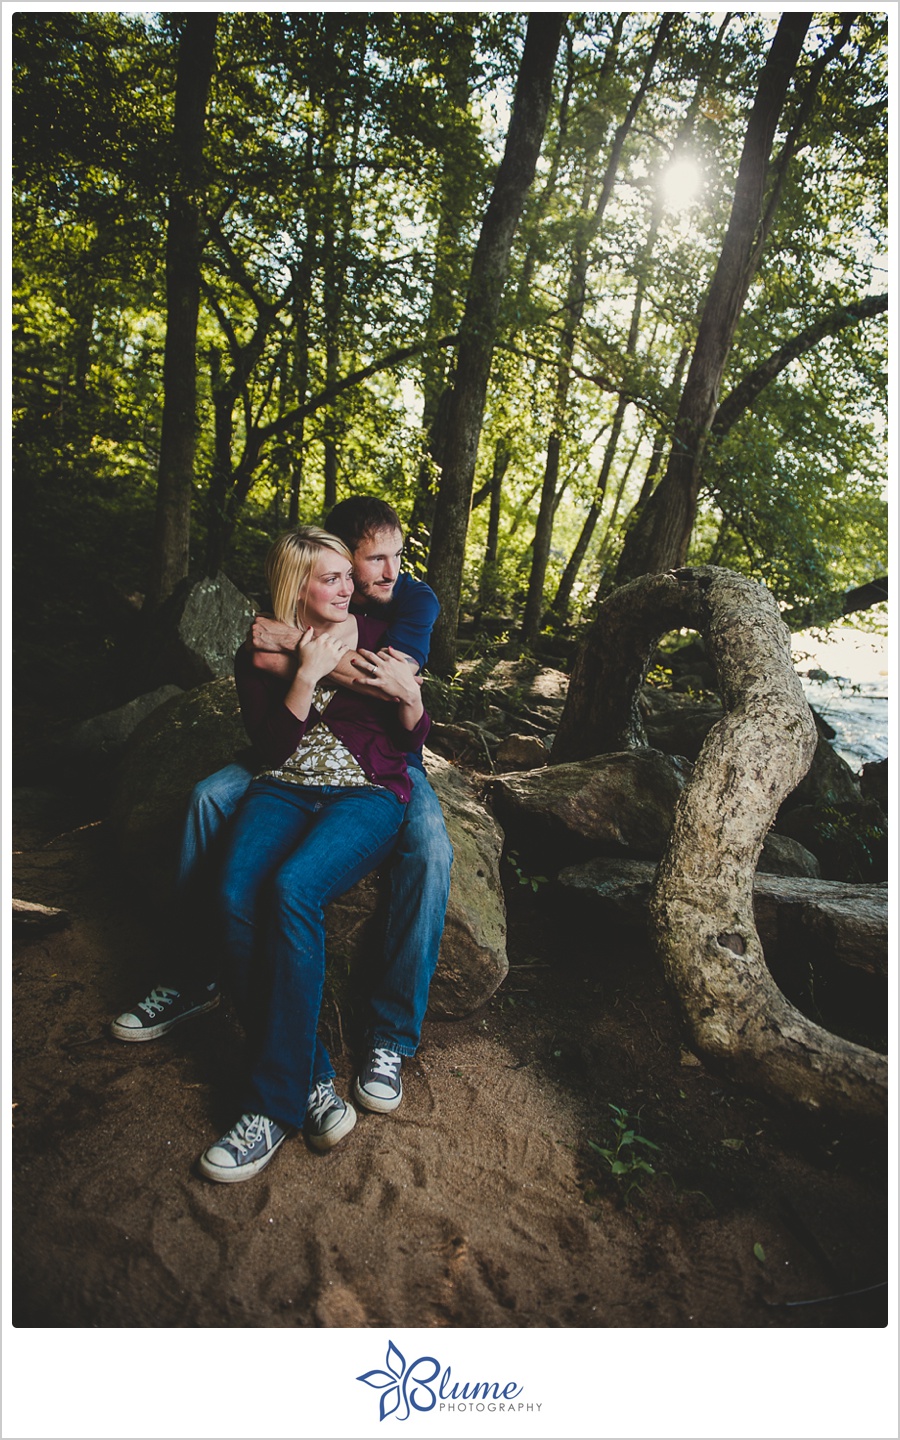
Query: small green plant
point(622, 1158)
point(533, 880)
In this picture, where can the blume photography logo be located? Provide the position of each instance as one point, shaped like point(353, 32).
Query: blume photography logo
point(416, 1386)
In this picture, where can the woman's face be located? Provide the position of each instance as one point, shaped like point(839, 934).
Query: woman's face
point(330, 591)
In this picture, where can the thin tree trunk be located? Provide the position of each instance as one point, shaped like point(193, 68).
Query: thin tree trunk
point(490, 267)
point(660, 538)
point(488, 585)
point(574, 311)
point(184, 245)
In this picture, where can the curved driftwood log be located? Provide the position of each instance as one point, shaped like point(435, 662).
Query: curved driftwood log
point(701, 908)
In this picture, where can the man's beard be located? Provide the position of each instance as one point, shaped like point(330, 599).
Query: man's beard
point(372, 596)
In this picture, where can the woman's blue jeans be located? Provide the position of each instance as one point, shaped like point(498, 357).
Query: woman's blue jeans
point(292, 850)
point(419, 890)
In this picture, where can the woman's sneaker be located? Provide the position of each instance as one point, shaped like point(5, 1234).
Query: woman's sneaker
point(378, 1085)
point(244, 1151)
point(160, 1011)
point(328, 1117)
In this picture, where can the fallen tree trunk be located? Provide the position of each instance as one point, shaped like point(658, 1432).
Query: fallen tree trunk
point(701, 908)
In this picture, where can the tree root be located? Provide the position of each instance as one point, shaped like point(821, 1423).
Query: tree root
point(701, 906)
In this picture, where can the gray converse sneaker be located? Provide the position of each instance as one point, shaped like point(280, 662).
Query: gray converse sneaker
point(244, 1151)
point(328, 1117)
point(378, 1085)
point(160, 1011)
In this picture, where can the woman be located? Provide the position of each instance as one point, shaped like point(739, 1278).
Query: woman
point(322, 812)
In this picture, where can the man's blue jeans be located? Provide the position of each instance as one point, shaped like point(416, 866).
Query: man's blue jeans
point(291, 850)
point(420, 887)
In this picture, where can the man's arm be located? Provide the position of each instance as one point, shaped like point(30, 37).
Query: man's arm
point(273, 646)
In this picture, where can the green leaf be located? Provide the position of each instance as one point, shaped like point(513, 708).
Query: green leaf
point(759, 1252)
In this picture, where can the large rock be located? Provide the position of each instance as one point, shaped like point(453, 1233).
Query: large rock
point(783, 856)
point(814, 921)
point(192, 736)
point(617, 804)
point(104, 735)
point(197, 631)
point(677, 724)
point(848, 837)
point(828, 781)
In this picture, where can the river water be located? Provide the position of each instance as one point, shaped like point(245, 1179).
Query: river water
point(848, 688)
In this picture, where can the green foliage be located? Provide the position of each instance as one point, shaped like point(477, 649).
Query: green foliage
point(348, 164)
point(531, 882)
point(621, 1155)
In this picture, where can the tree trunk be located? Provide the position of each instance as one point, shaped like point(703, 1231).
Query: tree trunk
point(184, 244)
point(701, 909)
point(660, 538)
point(575, 300)
point(490, 266)
point(454, 209)
point(487, 589)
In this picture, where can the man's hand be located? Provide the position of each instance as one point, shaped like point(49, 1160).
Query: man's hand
point(273, 636)
point(387, 674)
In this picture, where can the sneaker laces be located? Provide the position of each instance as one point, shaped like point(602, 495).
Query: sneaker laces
point(386, 1063)
point(157, 1000)
point(321, 1100)
point(244, 1135)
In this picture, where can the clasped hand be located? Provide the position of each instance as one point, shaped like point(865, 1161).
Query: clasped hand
point(387, 674)
point(317, 655)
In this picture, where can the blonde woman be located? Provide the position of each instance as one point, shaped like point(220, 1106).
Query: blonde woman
point(323, 810)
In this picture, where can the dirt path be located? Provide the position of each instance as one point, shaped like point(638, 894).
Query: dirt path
point(480, 1203)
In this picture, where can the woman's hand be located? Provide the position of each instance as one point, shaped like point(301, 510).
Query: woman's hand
point(317, 655)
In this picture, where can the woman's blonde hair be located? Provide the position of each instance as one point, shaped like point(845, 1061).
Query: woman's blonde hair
point(289, 568)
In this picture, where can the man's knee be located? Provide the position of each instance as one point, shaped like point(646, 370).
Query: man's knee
point(220, 794)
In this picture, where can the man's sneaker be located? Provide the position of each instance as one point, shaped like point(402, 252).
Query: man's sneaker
point(328, 1117)
point(162, 1009)
point(378, 1085)
point(244, 1151)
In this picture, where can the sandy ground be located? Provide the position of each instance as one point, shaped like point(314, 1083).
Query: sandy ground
point(479, 1203)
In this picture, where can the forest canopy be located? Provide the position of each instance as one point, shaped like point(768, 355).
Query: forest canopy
point(307, 195)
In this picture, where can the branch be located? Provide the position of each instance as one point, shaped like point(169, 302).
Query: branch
point(744, 393)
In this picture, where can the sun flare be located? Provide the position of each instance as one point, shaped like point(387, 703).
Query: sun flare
point(681, 183)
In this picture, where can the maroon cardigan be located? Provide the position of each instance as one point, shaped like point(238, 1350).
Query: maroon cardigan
point(368, 727)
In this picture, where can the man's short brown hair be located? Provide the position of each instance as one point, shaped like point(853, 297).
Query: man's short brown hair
point(359, 517)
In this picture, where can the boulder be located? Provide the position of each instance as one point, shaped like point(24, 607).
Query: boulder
point(849, 838)
point(196, 633)
point(783, 856)
point(191, 736)
point(828, 781)
point(522, 752)
point(198, 733)
point(813, 921)
point(104, 735)
point(677, 724)
point(873, 782)
point(617, 804)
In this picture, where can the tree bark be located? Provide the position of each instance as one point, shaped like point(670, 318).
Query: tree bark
point(588, 229)
point(490, 266)
point(660, 537)
point(701, 908)
point(184, 244)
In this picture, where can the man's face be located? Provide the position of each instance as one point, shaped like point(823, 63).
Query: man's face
point(376, 565)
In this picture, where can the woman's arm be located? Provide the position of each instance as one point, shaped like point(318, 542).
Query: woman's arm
point(276, 715)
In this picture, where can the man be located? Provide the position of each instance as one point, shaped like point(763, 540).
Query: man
point(420, 872)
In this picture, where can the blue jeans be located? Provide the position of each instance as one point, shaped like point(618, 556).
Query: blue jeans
point(291, 850)
point(420, 887)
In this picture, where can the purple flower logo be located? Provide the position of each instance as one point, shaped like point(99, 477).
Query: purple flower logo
point(404, 1388)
